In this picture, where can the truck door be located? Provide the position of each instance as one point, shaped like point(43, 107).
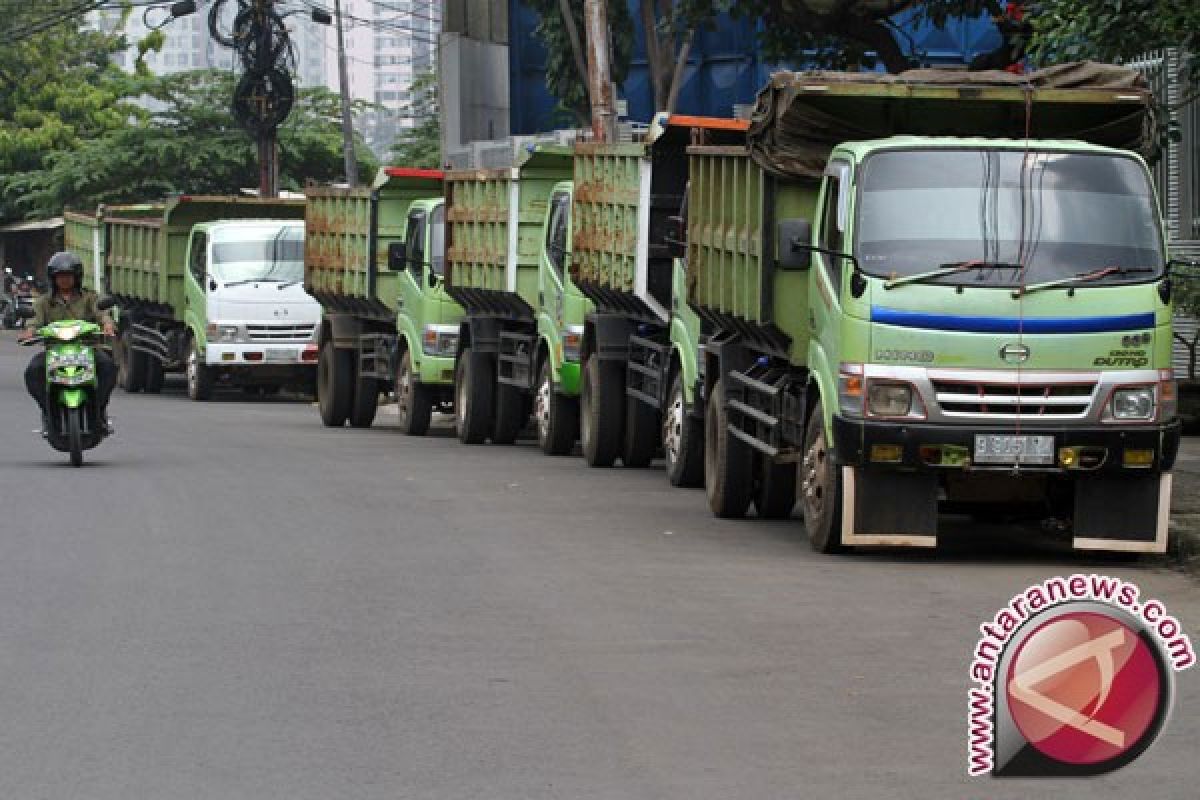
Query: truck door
point(413, 284)
point(196, 285)
point(552, 274)
point(825, 303)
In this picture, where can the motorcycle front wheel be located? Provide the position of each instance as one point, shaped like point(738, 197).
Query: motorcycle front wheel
point(75, 435)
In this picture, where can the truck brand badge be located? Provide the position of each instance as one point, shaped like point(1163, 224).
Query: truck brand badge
point(1014, 353)
point(919, 356)
point(281, 312)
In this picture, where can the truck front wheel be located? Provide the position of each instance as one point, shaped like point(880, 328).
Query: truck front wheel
point(682, 439)
point(557, 415)
point(334, 391)
point(728, 461)
point(413, 403)
point(474, 382)
point(199, 376)
point(601, 411)
point(820, 488)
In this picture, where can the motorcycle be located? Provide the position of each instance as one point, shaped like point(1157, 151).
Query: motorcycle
point(73, 422)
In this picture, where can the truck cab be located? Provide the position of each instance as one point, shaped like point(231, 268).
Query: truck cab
point(249, 321)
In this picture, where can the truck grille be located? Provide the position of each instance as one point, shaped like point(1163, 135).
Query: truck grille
point(1010, 400)
point(279, 333)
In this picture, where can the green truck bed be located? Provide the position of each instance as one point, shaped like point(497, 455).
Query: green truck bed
point(347, 233)
point(494, 222)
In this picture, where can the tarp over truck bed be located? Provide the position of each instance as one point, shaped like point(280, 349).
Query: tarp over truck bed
point(801, 115)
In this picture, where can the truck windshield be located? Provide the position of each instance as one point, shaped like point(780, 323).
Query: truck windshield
point(1059, 214)
point(261, 254)
point(437, 243)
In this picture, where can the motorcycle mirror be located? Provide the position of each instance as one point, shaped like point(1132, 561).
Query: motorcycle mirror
point(105, 303)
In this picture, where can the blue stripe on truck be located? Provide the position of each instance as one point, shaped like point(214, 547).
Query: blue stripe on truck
point(954, 322)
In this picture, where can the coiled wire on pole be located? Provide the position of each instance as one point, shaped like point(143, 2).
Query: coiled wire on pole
point(265, 93)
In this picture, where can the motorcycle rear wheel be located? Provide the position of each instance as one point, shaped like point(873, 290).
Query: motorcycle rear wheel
point(75, 435)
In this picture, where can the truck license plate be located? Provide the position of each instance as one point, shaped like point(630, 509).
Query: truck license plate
point(1003, 449)
point(280, 354)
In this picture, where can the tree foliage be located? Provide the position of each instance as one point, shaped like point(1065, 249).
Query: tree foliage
point(420, 145)
point(191, 144)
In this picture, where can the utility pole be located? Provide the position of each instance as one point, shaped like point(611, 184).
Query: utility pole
point(344, 86)
point(600, 87)
point(268, 139)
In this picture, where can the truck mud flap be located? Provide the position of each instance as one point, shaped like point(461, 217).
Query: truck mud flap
point(889, 509)
point(514, 367)
point(646, 373)
point(376, 353)
point(1122, 513)
point(151, 341)
point(767, 407)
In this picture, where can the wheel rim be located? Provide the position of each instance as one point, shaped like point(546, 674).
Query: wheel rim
point(542, 406)
point(193, 370)
point(404, 390)
point(585, 402)
point(816, 481)
point(673, 428)
point(460, 402)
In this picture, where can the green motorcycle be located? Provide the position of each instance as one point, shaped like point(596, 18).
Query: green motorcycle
point(73, 421)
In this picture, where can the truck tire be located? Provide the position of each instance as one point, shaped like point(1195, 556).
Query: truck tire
point(134, 363)
point(557, 416)
point(365, 402)
point(155, 375)
point(775, 493)
point(728, 462)
point(643, 433)
point(474, 382)
point(510, 414)
point(820, 488)
point(335, 368)
point(682, 439)
point(199, 376)
point(602, 411)
point(413, 403)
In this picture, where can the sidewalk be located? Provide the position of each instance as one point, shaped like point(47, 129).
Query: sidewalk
point(1185, 505)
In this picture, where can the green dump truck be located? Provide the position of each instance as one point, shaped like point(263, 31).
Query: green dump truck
point(640, 347)
point(507, 250)
point(373, 259)
point(922, 319)
point(208, 286)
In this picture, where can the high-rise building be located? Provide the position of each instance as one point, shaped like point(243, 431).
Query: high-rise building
point(389, 43)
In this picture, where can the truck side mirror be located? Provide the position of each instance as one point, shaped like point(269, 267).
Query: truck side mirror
point(397, 257)
point(794, 244)
point(433, 279)
point(105, 303)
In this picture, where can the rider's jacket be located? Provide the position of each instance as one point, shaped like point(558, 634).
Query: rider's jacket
point(54, 308)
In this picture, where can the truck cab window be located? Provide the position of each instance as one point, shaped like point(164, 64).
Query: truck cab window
point(556, 233)
point(415, 239)
point(833, 234)
point(199, 257)
point(437, 240)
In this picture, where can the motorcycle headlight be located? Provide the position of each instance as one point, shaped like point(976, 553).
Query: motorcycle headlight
point(1133, 403)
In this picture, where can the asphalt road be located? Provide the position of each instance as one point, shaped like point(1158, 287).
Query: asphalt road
point(230, 601)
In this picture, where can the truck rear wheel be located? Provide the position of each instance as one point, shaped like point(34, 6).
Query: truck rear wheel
point(728, 461)
point(334, 369)
point(557, 416)
point(642, 433)
point(775, 494)
point(413, 403)
point(155, 375)
point(366, 401)
point(199, 376)
point(510, 414)
point(820, 488)
point(601, 411)
point(474, 382)
point(132, 376)
point(682, 439)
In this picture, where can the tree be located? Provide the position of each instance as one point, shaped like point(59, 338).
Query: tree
point(420, 145)
point(191, 145)
point(59, 88)
point(669, 28)
point(1116, 30)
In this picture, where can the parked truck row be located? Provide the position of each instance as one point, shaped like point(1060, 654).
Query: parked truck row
point(881, 299)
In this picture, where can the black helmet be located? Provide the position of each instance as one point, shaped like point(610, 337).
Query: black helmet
point(65, 261)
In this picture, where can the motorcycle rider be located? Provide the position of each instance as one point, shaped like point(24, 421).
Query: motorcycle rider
point(66, 300)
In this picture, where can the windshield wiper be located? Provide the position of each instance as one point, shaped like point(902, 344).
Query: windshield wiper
point(253, 280)
point(1081, 277)
point(287, 284)
point(949, 268)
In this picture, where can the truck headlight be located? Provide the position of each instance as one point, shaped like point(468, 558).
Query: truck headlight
point(572, 342)
point(224, 334)
point(1133, 403)
point(889, 399)
point(439, 340)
